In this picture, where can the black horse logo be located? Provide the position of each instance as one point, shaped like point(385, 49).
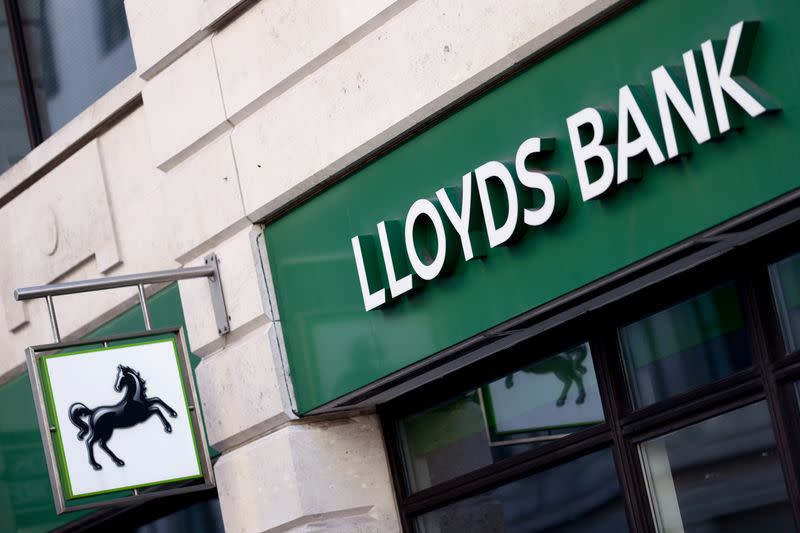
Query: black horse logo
point(567, 366)
point(134, 409)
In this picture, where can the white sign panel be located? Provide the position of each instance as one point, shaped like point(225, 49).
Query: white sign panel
point(122, 418)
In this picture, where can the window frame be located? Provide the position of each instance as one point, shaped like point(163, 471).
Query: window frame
point(24, 77)
point(771, 378)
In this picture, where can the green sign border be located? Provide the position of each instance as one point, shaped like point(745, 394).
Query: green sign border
point(47, 392)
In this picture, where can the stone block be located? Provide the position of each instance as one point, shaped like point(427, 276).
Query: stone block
point(425, 57)
point(133, 182)
point(285, 40)
point(13, 345)
point(239, 388)
point(162, 31)
point(332, 475)
point(202, 199)
point(183, 105)
point(239, 273)
point(212, 11)
point(45, 237)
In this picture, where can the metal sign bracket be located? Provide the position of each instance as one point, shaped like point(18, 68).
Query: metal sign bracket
point(217, 297)
point(209, 270)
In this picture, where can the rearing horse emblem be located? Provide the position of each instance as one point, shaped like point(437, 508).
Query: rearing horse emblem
point(567, 366)
point(134, 408)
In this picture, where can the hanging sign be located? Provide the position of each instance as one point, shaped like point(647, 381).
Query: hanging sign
point(119, 416)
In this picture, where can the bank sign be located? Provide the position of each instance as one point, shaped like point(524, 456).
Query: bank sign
point(118, 417)
point(613, 148)
point(675, 108)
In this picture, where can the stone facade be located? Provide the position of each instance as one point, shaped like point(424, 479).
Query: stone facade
point(236, 109)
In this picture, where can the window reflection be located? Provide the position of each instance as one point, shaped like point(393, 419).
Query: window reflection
point(544, 401)
point(722, 474)
point(688, 345)
point(785, 276)
point(579, 496)
point(527, 408)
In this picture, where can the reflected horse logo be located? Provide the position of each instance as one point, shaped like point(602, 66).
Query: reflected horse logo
point(134, 408)
point(568, 368)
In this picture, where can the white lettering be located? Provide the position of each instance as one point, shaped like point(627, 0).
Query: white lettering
point(627, 149)
point(536, 180)
point(463, 221)
point(432, 269)
point(495, 169)
point(387, 234)
point(367, 272)
point(590, 117)
point(693, 116)
point(728, 79)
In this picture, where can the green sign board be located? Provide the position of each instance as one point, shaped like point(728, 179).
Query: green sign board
point(507, 203)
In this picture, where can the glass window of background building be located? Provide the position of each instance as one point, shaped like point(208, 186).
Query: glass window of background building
point(57, 58)
point(14, 139)
point(679, 410)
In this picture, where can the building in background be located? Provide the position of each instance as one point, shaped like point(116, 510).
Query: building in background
point(488, 265)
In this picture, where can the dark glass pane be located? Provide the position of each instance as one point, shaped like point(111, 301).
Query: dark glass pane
point(722, 474)
point(14, 142)
point(77, 52)
point(535, 405)
point(690, 344)
point(579, 496)
point(785, 276)
point(201, 517)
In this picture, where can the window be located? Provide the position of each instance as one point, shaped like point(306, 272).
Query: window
point(524, 409)
point(581, 495)
point(695, 342)
point(14, 140)
point(673, 408)
point(58, 58)
point(785, 276)
point(721, 474)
